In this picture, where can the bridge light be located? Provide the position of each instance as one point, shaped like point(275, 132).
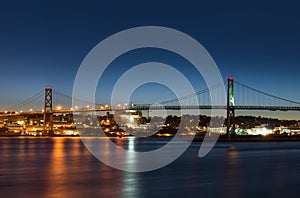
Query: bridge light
point(59, 107)
point(76, 107)
point(106, 106)
point(31, 110)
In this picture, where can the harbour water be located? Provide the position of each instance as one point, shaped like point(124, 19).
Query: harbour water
point(63, 167)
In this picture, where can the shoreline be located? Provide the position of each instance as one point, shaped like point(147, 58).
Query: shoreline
point(222, 138)
point(258, 138)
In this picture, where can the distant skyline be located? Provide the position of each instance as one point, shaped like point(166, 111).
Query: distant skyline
point(44, 43)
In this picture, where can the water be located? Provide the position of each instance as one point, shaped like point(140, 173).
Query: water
point(63, 167)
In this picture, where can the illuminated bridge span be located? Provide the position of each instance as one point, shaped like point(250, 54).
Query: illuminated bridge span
point(239, 97)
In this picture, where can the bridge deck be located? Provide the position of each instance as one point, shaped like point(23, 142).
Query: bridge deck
point(148, 107)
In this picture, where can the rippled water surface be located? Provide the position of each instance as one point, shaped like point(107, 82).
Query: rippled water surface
point(63, 167)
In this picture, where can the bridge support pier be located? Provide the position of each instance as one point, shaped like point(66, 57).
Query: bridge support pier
point(230, 108)
point(48, 125)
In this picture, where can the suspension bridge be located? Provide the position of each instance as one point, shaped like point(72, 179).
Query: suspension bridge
point(239, 97)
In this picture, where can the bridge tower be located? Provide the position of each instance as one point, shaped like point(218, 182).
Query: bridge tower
point(48, 125)
point(230, 107)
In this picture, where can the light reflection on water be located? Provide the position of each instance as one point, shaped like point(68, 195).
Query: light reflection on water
point(63, 167)
point(232, 178)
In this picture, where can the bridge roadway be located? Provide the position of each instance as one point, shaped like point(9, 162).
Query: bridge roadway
point(148, 107)
point(270, 108)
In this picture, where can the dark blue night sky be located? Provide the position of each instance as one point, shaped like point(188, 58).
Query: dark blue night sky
point(44, 42)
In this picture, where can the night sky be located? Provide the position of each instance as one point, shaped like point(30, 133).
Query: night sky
point(44, 42)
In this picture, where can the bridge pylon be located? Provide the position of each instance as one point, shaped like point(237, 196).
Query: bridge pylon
point(48, 125)
point(230, 107)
